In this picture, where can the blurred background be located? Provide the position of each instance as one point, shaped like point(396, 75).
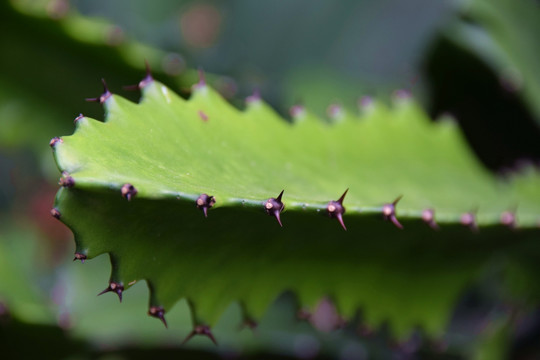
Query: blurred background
point(475, 60)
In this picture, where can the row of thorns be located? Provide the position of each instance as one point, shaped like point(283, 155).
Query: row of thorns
point(334, 209)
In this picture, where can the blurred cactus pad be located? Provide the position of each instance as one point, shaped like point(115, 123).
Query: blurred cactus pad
point(419, 221)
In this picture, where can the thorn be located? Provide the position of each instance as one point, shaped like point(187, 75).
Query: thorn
point(339, 217)
point(66, 180)
point(280, 195)
point(158, 312)
point(200, 330)
point(297, 111)
point(402, 94)
point(335, 112)
point(144, 82)
point(131, 87)
point(254, 97)
point(278, 217)
point(335, 209)
point(128, 191)
point(274, 207)
point(148, 78)
point(365, 102)
point(508, 218)
point(79, 256)
point(205, 202)
point(103, 97)
point(79, 117)
point(340, 200)
point(203, 116)
point(114, 287)
point(55, 213)
point(389, 212)
point(428, 216)
point(469, 219)
point(54, 141)
point(202, 78)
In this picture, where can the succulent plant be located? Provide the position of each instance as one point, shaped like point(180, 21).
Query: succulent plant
point(177, 193)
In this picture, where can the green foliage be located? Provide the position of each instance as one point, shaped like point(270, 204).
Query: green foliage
point(172, 151)
point(42, 72)
point(503, 33)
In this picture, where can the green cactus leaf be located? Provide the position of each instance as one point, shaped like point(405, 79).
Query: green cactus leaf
point(163, 153)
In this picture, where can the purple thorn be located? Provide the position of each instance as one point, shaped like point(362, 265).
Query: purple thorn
point(365, 101)
point(335, 210)
point(79, 117)
point(428, 216)
point(55, 213)
point(469, 219)
point(148, 78)
point(274, 207)
point(66, 180)
point(508, 218)
point(200, 330)
point(128, 191)
point(339, 217)
point(278, 217)
point(280, 195)
point(106, 94)
point(202, 78)
point(335, 111)
point(114, 287)
point(340, 200)
point(203, 116)
point(54, 141)
point(144, 82)
point(205, 202)
point(297, 111)
point(254, 97)
point(79, 256)
point(395, 221)
point(131, 87)
point(389, 212)
point(402, 94)
point(158, 312)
